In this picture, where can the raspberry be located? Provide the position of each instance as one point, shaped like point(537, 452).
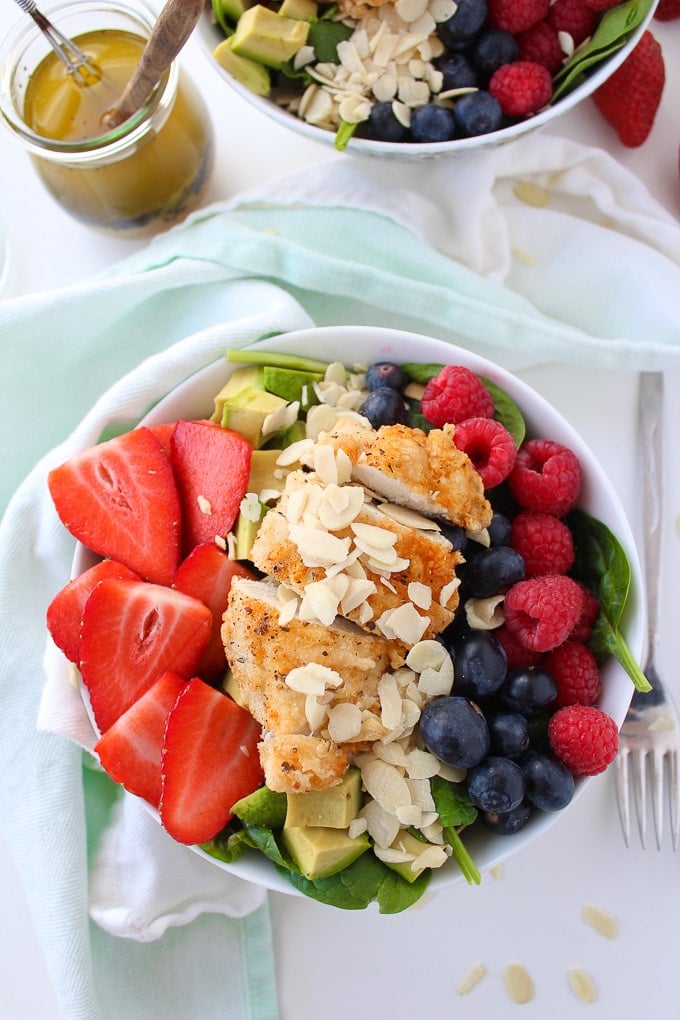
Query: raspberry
point(516, 15)
point(544, 543)
point(541, 44)
point(453, 395)
point(591, 611)
point(584, 738)
point(515, 652)
point(543, 611)
point(489, 446)
point(521, 88)
point(601, 5)
point(629, 99)
point(573, 17)
point(546, 477)
point(575, 670)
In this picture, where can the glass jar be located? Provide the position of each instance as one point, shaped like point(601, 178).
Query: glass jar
point(139, 177)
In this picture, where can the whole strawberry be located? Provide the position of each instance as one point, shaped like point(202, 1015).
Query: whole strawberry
point(584, 738)
point(630, 98)
point(667, 10)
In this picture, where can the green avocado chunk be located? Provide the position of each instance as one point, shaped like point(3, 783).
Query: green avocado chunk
point(251, 73)
point(333, 808)
point(303, 10)
point(246, 378)
point(267, 37)
point(320, 852)
point(410, 844)
point(262, 807)
point(247, 411)
point(292, 384)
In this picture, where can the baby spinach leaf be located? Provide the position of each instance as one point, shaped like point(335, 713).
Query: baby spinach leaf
point(343, 135)
point(421, 373)
point(324, 36)
point(455, 809)
point(506, 411)
point(363, 882)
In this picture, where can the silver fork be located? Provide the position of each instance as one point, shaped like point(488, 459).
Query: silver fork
point(648, 742)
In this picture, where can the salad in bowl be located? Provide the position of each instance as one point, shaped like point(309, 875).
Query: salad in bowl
point(354, 612)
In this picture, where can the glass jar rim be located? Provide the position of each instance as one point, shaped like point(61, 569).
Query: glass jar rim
point(112, 142)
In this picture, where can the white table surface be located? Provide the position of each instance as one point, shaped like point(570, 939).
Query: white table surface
point(529, 912)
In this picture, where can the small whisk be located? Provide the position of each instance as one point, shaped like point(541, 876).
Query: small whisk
point(77, 63)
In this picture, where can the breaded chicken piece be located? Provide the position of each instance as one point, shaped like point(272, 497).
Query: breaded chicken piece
point(422, 471)
point(298, 764)
point(261, 653)
point(427, 559)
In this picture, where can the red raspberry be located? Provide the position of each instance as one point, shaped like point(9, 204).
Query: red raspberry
point(546, 477)
point(573, 17)
point(585, 738)
point(629, 99)
point(515, 652)
point(521, 88)
point(544, 542)
point(541, 44)
point(543, 611)
point(601, 5)
point(516, 15)
point(576, 673)
point(489, 446)
point(453, 395)
point(591, 611)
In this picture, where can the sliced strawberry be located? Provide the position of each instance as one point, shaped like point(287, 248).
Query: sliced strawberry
point(210, 760)
point(120, 500)
point(65, 611)
point(212, 466)
point(130, 751)
point(206, 574)
point(132, 632)
point(163, 434)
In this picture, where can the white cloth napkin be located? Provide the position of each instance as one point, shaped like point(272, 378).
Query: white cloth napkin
point(540, 251)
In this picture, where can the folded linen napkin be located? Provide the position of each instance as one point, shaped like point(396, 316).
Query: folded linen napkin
point(540, 251)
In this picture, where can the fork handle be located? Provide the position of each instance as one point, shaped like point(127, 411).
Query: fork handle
point(651, 447)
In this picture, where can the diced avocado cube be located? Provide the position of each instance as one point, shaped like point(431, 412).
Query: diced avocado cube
point(247, 412)
point(262, 807)
point(250, 73)
point(264, 473)
point(230, 686)
point(303, 10)
point(319, 852)
point(412, 845)
point(265, 36)
point(291, 435)
point(333, 808)
point(292, 384)
point(246, 531)
point(247, 378)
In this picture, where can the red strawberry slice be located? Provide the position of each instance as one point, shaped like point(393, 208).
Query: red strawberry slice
point(65, 611)
point(120, 500)
point(210, 760)
point(212, 467)
point(206, 574)
point(130, 751)
point(163, 432)
point(132, 632)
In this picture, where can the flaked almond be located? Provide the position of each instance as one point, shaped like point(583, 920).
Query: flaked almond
point(318, 548)
point(403, 624)
point(419, 594)
point(312, 678)
point(344, 722)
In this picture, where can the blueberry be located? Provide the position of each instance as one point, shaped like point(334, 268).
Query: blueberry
point(493, 571)
point(385, 373)
point(496, 784)
point(432, 123)
point(384, 126)
point(457, 70)
point(499, 529)
point(454, 730)
point(462, 27)
point(509, 733)
point(384, 406)
point(493, 48)
point(549, 783)
point(478, 113)
point(506, 823)
point(456, 535)
point(481, 665)
point(528, 690)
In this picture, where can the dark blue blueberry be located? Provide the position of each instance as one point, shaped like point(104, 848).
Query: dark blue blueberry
point(454, 730)
point(499, 529)
point(456, 535)
point(481, 664)
point(528, 690)
point(384, 406)
point(509, 733)
point(385, 373)
point(478, 113)
point(506, 823)
point(384, 126)
point(493, 571)
point(549, 783)
point(462, 27)
point(432, 123)
point(493, 48)
point(496, 784)
point(457, 70)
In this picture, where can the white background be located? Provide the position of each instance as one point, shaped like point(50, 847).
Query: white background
point(340, 964)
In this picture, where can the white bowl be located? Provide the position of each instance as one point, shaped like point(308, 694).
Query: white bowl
point(210, 34)
point(362, 344)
